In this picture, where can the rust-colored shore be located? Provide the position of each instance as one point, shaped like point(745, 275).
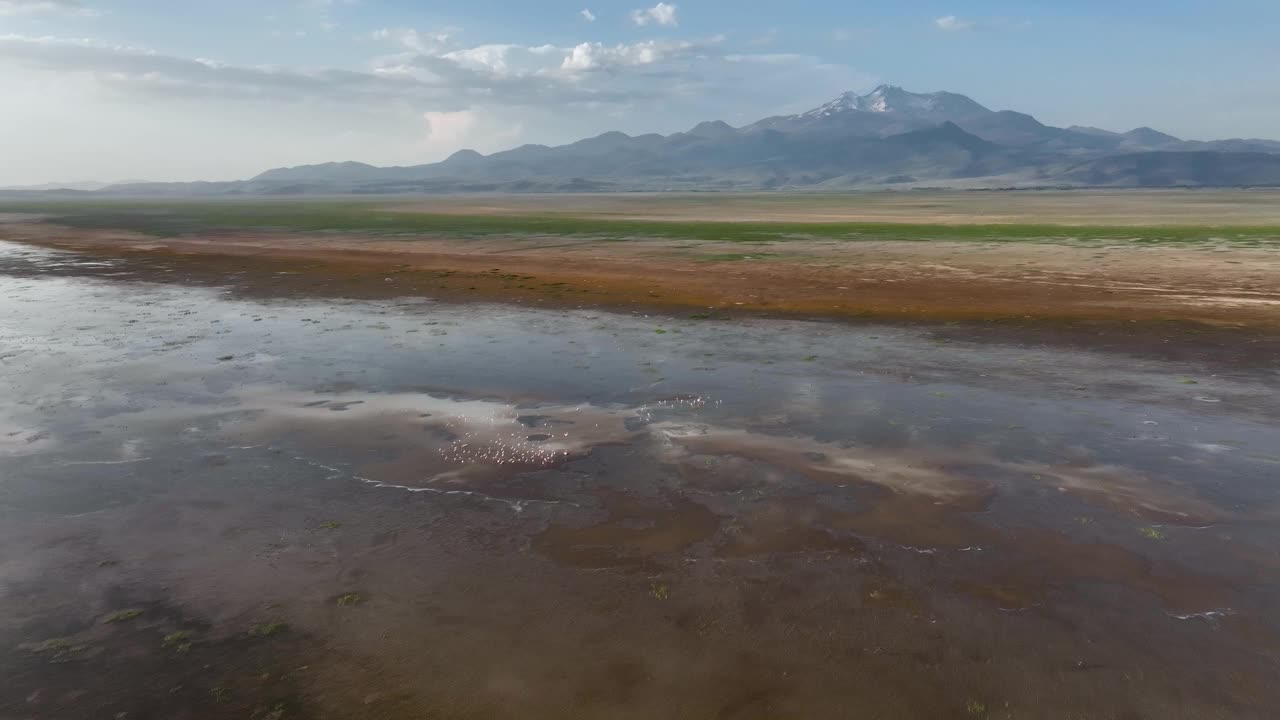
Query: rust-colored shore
point(890, 279)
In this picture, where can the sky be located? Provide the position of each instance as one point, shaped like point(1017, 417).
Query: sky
point(159, 90)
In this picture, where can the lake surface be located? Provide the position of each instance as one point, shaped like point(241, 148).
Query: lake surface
point(216, 502)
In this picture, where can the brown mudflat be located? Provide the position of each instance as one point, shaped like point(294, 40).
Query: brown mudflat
point(886, 279)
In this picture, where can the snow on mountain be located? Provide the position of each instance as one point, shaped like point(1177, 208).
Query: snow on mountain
point(893, 99)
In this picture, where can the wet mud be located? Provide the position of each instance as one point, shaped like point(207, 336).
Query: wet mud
point(1185, 287)
point(216, 501)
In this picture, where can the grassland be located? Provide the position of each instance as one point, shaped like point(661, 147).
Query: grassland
point(167, 219)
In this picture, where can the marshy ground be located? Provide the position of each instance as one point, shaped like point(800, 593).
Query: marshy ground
point(269, 472)
point(1205, 256)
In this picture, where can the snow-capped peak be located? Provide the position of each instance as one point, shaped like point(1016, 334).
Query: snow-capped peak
point(888, 99)
point(846, 102)
point(885, 98)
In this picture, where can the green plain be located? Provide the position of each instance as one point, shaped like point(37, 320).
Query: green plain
point(165, 219)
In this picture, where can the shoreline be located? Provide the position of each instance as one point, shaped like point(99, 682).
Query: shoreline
point(867, 280)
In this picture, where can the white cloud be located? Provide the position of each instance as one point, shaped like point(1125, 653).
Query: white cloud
point(594, 55)
point(449, 128)
point(448, 132)
point(445, 133)
point(587, 15)
point(32, 7)
point(951, 23)
point(660, 14)
point(484, 57)
point(431, 72)
point(441, 79)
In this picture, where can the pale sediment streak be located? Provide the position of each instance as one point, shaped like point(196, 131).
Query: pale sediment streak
point(1209, 615)
point(518, 505)
point(104, 462)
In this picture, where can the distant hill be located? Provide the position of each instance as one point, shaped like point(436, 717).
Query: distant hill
point(79, 185)
point(889, 137)
point(1173, 169)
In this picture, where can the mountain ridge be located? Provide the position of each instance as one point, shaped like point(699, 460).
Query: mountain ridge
point(887, 137)
point(807, 148)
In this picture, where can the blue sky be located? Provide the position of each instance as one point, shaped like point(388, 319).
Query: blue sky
point(97, 89)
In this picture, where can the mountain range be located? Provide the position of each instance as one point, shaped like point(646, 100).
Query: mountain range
point(887, 138)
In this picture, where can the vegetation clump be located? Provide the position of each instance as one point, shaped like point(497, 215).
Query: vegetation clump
point(265, 630)
point(57, 649)
point(180, 641)
point(120, 616)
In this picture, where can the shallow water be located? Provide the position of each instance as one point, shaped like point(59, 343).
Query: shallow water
point(551, 513)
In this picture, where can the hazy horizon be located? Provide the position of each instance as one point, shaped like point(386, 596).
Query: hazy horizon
point(104, 91)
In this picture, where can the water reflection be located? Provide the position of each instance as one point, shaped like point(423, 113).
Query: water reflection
point(858, 491)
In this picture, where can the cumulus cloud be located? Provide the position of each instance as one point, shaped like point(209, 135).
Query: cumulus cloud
point(495, 58)
point(32, 7)
point(448, 132)
point(449, 128)
point(660, 14)
point(587, 15)
point(594, 55)
point(951, 23)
